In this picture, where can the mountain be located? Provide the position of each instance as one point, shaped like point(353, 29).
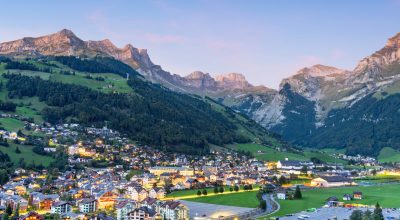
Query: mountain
point(323, 106)
point(82, 81)
point(319, 106)
point(66, 43)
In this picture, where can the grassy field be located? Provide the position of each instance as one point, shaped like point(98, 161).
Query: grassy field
point(387, 195)
point(270, 154)
point(26, 153)
point(11, 124)
point(192, 192)
point(388, 154)
point(245, 199)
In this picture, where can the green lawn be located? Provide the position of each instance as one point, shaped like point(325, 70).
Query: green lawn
point(388, 154)
point(192, 192)
point(270, 154)
point(387, 195)
point(26, 153)
point(245, 199)
point(119, 84)
point(11, 124)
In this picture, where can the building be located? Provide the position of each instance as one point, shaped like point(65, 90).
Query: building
point(184, 171)
point(157, 193)
point(294, 166)
point(88, 205)
point(174, 210)
point(347, 197)
point(31, 216)
point(142, 213)
point(281, 194)
point(357, 195)
point(61, 207)
point(331, 181)
point(124, 207)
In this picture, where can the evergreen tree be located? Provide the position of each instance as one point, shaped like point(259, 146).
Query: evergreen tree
point(356, 215)
point(367, 215)
point(236, 188)
point(9, 210)
point(198, 192)
point(204, 192)
point(216, 190)
point(378, 215)
point(230, 189)
point(297, 193)
point(221, 189)
point(17, 150)
point(16, 211)
point(6, 216)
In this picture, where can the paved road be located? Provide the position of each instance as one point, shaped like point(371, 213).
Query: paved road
point(211, 210)
point(339, 213)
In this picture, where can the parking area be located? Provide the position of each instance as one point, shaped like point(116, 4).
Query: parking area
point(337, 213)
point(198, 209)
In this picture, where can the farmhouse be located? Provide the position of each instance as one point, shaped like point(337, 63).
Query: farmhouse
point(357, 195)
point(331, 181)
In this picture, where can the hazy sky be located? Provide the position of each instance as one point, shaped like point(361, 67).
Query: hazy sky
point(264, 40)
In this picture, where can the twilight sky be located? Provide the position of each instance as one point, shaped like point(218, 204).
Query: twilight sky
point(264, 40)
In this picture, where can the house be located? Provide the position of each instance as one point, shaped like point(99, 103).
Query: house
point(43, 201)
point(331, 181)
point(157, 193)
point(106, 199)
point(357, 195)
point(347, 197)
point(137, 193)
point(174, 210)
point(61, 207)
point(332, 201)
point(281, 194)
point(31, 216)
point(88, 205)
point(142, 213)
point(124, 207)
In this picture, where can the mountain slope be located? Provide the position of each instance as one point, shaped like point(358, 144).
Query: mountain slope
point(148, 113)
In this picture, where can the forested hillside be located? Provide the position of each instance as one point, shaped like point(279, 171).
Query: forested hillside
point(149, 113)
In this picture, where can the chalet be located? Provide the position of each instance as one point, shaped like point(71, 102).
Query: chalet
point(137, 193)
point(347, 197)
point(331, 181)
point(88, 205)
point(43, 201)
point(332, 201)
point(31, 216)
point(61, 207)
point(281, 194)
point(142, 213)
point(157, 193)
point(357, 195)
point(106, 199)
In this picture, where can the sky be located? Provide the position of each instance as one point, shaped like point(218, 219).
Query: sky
point(264, 40)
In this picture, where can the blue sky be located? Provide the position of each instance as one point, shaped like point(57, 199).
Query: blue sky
point(264, 40)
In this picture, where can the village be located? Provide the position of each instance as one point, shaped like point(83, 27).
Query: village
point(110, 177)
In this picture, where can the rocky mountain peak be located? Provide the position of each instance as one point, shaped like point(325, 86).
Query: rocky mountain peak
point(232, 81)
point(320, 71)
point(198, 75)
point(394, 41)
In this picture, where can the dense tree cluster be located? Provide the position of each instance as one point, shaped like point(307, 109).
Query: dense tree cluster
point(152, 115)
point(7, 106)
point(96, 65)
point(10, 64)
